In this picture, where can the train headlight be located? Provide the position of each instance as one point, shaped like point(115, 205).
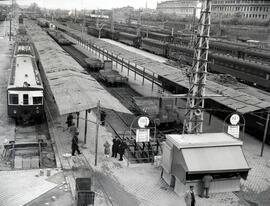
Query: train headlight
point(37, 111)
point(37, 107)
point(14, 111)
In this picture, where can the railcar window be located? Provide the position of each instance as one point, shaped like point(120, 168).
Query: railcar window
point(25, 99)
point(13, 98)
point(37, 100)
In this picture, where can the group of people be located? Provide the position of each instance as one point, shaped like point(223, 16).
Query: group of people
point(189, 195)
point(118, 147)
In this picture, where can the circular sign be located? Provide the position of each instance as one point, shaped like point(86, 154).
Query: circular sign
point(234, 119)
point(143, 121)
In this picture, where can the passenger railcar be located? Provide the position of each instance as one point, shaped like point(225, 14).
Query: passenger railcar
point(180, 53)
point(25, 88)
point(155, 46)
point(160, 37)
point(247, 71)
point(93, 31)
point(129, 39)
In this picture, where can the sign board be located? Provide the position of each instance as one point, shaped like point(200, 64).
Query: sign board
point(234, 130)
point(143, 122)
point(234, 119)
point(142, 135)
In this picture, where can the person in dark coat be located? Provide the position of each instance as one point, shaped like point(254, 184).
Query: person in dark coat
point(206, 181)
point(115, 147)
point(121, 149)
point(102, 117)
point(69, 120)
point(74, 145)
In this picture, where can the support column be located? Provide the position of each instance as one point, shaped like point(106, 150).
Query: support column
point(85, 126)
point(78, 116)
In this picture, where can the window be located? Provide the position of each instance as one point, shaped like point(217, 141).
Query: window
point(13, 99)
point(25, 99)
point(37, 100)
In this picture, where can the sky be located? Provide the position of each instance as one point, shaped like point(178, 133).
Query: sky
point(90, 4)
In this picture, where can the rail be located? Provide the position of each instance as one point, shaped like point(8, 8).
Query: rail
point(102, 53)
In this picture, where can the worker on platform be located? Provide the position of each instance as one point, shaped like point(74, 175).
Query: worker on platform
point(69, 120)
point(73, 129)
point(102, 117)
point(75, 142)
point(206, 182)
point(115, 146)
point(190, 197)
point(121, 149)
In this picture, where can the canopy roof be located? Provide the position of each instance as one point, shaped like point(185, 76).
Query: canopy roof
point(214, 159)
point(72, 88)
point(209, 153)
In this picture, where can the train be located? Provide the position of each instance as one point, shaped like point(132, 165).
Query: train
point(59, 38)
point(246, 71)
point(25, 99)
point(236, 49)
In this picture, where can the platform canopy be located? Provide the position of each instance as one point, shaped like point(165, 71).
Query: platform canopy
point(72, 88)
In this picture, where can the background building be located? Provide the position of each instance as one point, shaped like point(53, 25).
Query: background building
point(181, 8)
point(248, 9)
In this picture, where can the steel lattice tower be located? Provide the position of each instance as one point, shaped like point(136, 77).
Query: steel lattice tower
point(197, 74)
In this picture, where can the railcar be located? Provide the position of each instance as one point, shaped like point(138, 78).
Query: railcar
point(155, 46)
point(93, 31)
point(184, 41)
point(246, 71)
point(180, 53)
point(160, 37)
point(129, 39)
point(59, 38)
point(108, 33)
point(25, 88)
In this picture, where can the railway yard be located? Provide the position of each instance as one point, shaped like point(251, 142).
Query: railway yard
point(107, 84)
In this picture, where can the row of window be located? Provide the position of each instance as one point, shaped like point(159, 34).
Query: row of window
point(260, 16)
point(239, 1)
point(14, 99)
point(240, 8)
point(177, 9)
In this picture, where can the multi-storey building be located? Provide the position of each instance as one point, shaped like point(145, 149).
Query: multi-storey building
point(179, 7)
point(248, 9)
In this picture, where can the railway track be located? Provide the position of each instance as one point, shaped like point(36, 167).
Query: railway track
point(31, 147)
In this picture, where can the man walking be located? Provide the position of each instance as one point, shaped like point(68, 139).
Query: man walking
point(190, 197)
point(206, 181)
point(75, 146)
point(115, 147)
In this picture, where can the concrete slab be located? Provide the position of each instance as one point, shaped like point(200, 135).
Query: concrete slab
point(28, 186)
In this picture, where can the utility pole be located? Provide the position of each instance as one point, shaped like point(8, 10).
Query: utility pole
point(112, 21)
point(195, 100)
point(193, 37)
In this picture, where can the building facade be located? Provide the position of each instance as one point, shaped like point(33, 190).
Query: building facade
point(248, 9)
point(181, 8)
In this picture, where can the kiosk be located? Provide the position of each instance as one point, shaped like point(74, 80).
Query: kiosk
point(188, 157)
